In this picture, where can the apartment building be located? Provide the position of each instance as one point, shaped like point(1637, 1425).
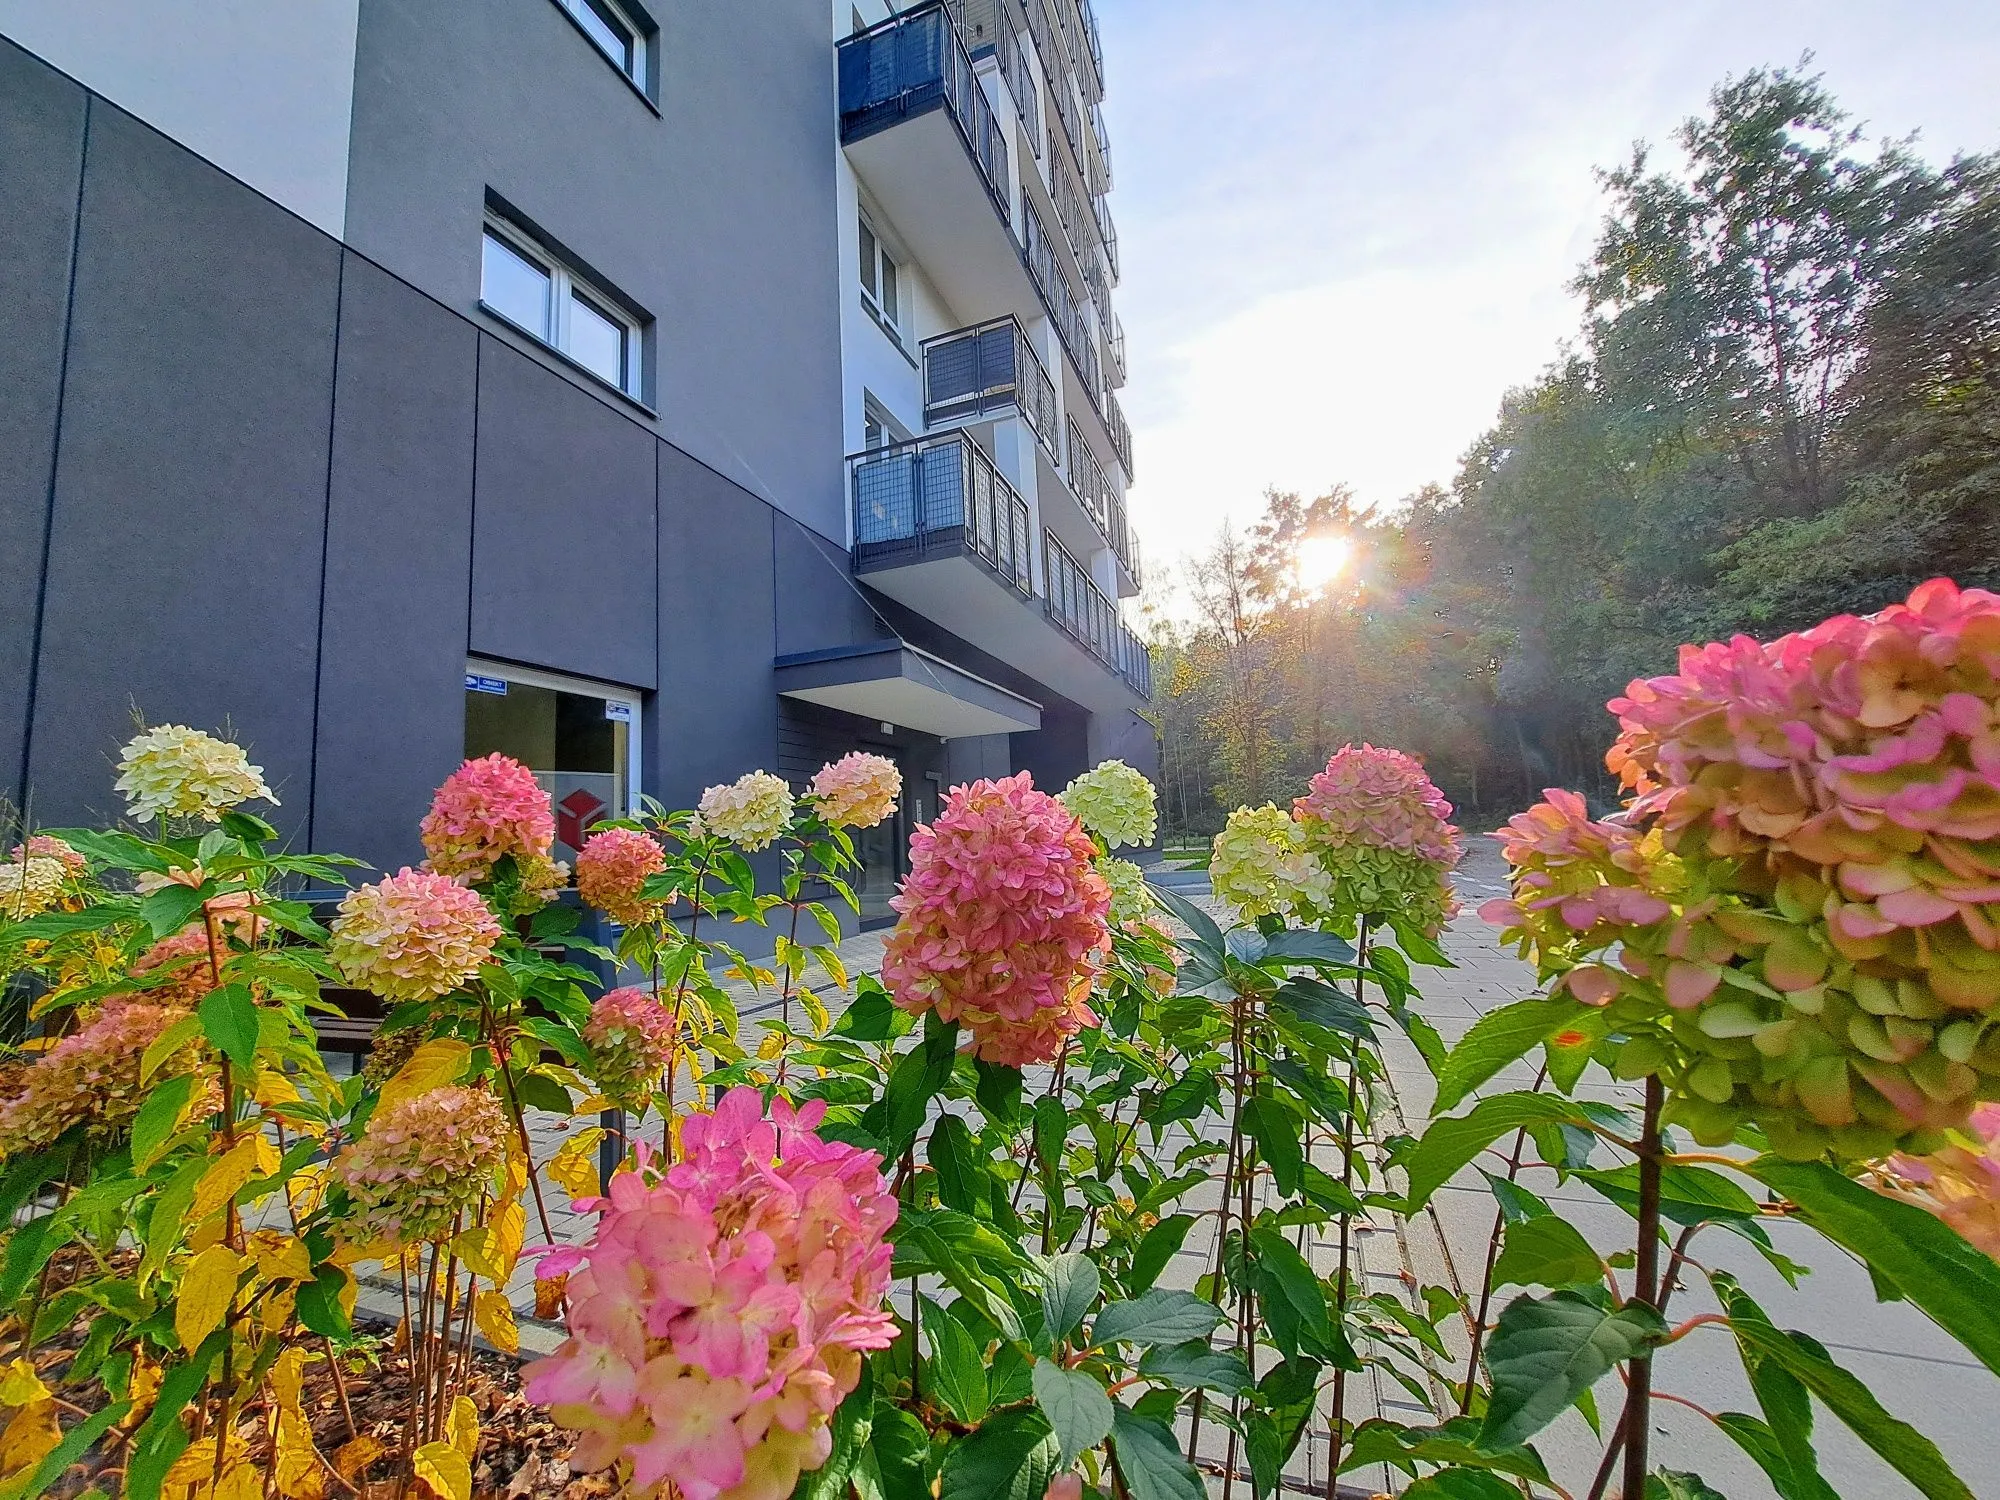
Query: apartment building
point(651, 391)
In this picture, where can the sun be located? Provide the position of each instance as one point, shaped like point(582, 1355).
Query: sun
point(1320, 560)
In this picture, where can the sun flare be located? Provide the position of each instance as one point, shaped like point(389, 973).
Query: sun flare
point(1320, 560)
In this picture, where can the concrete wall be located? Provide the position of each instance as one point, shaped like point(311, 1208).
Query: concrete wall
point(263, 90)
point(713, 212)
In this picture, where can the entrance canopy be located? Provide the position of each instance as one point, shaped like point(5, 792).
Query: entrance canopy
point(892, 680)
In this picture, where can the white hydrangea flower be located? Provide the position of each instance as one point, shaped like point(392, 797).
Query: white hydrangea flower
point(174, 771)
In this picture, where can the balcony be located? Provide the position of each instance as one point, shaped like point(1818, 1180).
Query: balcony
point(919, 130)
point(1121, 432)
point(939, 529)
point(1115, 368)
point(975, 372)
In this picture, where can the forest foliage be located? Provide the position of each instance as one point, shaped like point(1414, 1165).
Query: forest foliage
point(1782, 403)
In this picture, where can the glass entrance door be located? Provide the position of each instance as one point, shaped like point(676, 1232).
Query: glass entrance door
point(579, 738)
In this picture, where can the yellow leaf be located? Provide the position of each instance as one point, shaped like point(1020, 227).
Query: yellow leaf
point(30, 1436)
point(288, 1378)
point(574, 1168)
point(192, 1476)
point(281, 1257)
point(268, 1159)
point(208, 1285)
point(274, 1088)
point(431, 1066)
point(549, 1294)
point(463, 1428)
point(495, 1316)
point(146, 1378)
point(225, 1179)
point(771, 1046)
point(816, 1012)
point(830, 961)
point(166, 1044)
point(20, 1385)
point(357, 1454)
point(444, 1469)
point(275, 1308)
point(297, 1471)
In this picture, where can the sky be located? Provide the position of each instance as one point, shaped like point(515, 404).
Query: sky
point(1347, 228)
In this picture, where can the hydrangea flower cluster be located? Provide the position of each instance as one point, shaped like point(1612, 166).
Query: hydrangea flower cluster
point(752, 811)
point(422, 1164)
point(857, 791)
point(1959, 1182)
point(1002, 921)
point(91, 1076)
point(412, 936)
point(32, 885)
point(1116, 803)
point(184, 960)
point(487, 810)
point(631, 1036)
point(177, 772)
point(48, 846)
point(718, 1314)
point(611, 869)
point(1822, 814)
point(1130, 900)
point(1260, 866)
point(1382, 829)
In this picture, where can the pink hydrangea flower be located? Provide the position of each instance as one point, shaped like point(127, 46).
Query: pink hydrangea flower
point(611, 868)
point(184, 957)
point(423, 1164)
point(631, 1037)
point(1003, 921)
point(47, 846)
point(412, 936)
point(857, 791)
point(718, 1314)
point(486, 810)
point(91, 1075)
point(1960, 1183)
point(1381, 799)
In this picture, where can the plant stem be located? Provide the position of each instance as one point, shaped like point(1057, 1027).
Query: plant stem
point(1492, 1255)
point(520, 1118)
point(1240, 1047)
point(1231, 1162)
point(1337, 1417)
point(1646, 1289)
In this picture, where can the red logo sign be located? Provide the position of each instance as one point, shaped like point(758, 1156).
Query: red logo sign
point(575, 813)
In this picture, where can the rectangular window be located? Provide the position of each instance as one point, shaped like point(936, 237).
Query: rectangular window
point(581, 739)
point(879, 278)
point(529, 287)
point(615, 34)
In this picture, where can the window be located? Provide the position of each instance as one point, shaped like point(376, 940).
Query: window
point(879, 279)
point(878, 428)
point(581, 739)
point(615, 34)
point(534, 291)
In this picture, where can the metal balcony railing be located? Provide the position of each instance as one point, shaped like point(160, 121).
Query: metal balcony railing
point(1121, 433)
point(1115, 368)
point(1064, 309)
point(974, 371)
point(1103, 503)
point(937, 496)
point(909, 65)
point(1080, 608)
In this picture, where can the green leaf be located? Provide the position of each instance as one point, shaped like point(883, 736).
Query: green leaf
point(998, 1092)
point(1293, 1301)
point(1194, 1365)
point(157, 1117)
point(1515, 1202)
point(1318, 1003)
point(1672, 1484)
point(1545, 1353)
point(873, 1017)
point(539, 1091)
point(1453, 1143)
point(1184, 1099)
point(1546, 1252)
point(248, 827)
point(1379, 1441)
point(1915, 1252)
point(1277, 1128)
point(961, 1180)
point(900, 1447)
point(229, 1021)
point(1688, 1194)
point(1011, 1457)
point(74, 1444)
point(1906, 1450)
point(1756, 1438)
point(1498, 1038)
point(1161, 1244)
point(29, 1250)
point(1069, 1290)
point(1078, 1410)
point(1151, 1461)
point(957, 1365)
point(853, 1425)
point(1197, 921)
point(1158, 1317)
point(318, 1304)
point(170, 908)
point(1462, 1484)
point(1309, 946)
point(162, 1437)
point(1051, 1130)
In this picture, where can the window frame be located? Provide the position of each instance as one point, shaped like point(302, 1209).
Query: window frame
point(566, 284)
point(616, 17)
point(871, 298)
point(634, 699)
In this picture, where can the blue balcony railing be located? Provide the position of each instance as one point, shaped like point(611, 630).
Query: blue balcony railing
point(1077, 605)
point(912, 64)
point(937, 497)
point(976, 371)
